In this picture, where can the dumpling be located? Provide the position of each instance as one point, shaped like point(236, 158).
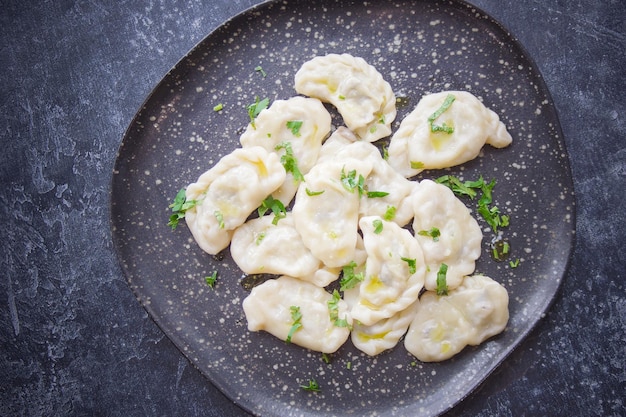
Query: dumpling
point(302, 122)
point(259, 246)
point(394, 271)
point(383, 334)
point(228, 192)
point(326, 210)
point(462, 127)
point(382, 178)
point(458, 245)
point(469, 315)
point(358, 91)
point(269, 307)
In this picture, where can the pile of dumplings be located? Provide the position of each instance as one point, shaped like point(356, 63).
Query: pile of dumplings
point(351, 211)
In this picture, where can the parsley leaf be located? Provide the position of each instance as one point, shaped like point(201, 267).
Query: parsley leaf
point(313, 193)
point(442, 285)
point(390, 213)
point(333, 311)
point(211, 279)
point(377, 194)
point(433, 232)
point(412, 265)
point(296, 316)
point(349, 278)
point(431, 119)
point(277, 207)
point(255, 108)
point(289, 161)
point(378, 226)
point(312, 386)
point(351, 183)
point(294, 126)
point(259, 69)
point(179, 207)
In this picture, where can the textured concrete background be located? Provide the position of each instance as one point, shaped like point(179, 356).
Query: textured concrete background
point(75, 341)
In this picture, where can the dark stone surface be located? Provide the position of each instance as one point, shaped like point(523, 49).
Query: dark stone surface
point(75, 341)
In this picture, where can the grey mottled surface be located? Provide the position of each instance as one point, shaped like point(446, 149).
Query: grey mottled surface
point(74, 340)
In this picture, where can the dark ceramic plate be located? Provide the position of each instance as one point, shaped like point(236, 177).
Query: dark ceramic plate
point(419, 47)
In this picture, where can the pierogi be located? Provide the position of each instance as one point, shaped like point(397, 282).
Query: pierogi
point(269, 305)
point(228, 192)
point(364, 99)
point(462, 127)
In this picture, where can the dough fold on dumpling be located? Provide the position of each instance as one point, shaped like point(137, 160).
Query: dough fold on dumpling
point(458, 243)
point(358, 91)
point(227, 193)
point(415, 147)
point(302, 122)
point(469, 315)
point(268, 307)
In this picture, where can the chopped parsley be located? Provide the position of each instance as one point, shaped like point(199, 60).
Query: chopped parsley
point(256, 108)
point(514, 263)
point(442, 285)
point(349, 278)
point(218, 107)
point(390, 213)
point(260, 70)
point(220, 218)
point(377, 194)
point(211, 279)
point(333, 311)
point(431, 119)
point(313, 193)
point(433, 233)
point(289, 161)
point(417, 165)
point(179, 207)
point(351, 183)
point(296, 316)
point(277, 207)
point(312, 386)
point(378, 226)
point(412, 263)
point(294, 126)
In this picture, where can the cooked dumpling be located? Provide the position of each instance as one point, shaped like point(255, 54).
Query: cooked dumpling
point(358, 91)
point(260, 246)
point(302, 122)
point(394, 271)
point(383, 334)
point(469, 315)
point(270, 305)
point(459, 237)
point(382, 178)
point(228, 192)
point(326, 210)
point(462, 127)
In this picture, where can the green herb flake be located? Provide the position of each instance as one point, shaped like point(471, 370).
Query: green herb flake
point(276, 206)
point(296, 316)
point(434, 233)
point(333, 311)
point(417, 165)
point(390, 213)
point(412, 263)
point(350, 181)
point(431, 119)
point(378, 226)
point(220, 218)
point(311, 386)
point(179, 207)
point(256, 108)
point(514, 263)
point(294, 126)
point(349, 278)
point(326, 357)
point(313, 193)
point(289, 161)
point(442, 286)
point(211, 279)
point(377, 194)
point(218, 107)
point(260, 70)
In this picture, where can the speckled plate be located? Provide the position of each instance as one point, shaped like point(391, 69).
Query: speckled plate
point(419, 47)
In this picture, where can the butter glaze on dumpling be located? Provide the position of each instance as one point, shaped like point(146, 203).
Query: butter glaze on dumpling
point(358, 91)
point(414, 147)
